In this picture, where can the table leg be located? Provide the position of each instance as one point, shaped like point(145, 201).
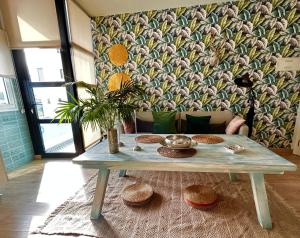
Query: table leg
point(261, 200)
point(103, 175)
point(233, 177)
point(122, 173)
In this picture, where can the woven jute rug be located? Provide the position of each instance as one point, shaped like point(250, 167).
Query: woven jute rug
point(167, 215)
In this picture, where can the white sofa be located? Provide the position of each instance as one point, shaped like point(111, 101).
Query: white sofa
point(216, 117)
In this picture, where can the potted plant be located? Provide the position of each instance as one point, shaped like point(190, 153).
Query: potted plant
point(102, 109)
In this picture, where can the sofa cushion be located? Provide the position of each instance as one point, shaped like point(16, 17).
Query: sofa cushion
point(218, 128)
point(216, 116)
point(144, 126)
point(147, 126)
point(148, 116)
point(164, 122)
point(197, 125)
point(234, 125)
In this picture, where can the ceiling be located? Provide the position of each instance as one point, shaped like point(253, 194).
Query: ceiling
point(112, 7)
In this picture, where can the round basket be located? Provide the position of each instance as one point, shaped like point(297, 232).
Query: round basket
point(149, 139)
point(200, 197)
point(137, 194)
point(208, 139)
point(176, 153)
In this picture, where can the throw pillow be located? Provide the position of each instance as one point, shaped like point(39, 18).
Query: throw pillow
point(234, 125)
point(197, 125)
point(144, 126)
point(217, 128)
point(164, 122)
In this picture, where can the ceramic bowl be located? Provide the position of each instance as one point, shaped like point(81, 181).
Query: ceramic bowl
point(178, 142)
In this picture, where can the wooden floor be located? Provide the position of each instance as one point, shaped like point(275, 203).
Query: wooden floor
point(35, 190)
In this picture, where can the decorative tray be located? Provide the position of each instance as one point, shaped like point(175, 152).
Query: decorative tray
point(176, 153)
point(149, 139)
point(208, 139)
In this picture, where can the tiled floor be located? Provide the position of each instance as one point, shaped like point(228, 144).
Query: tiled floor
point(35, 190)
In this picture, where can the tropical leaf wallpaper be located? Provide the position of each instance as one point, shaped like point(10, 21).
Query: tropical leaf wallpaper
point(188, 58)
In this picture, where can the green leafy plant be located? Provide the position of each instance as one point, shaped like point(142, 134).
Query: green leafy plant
point(102, 109)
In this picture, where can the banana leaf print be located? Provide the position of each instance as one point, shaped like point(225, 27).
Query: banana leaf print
point(170, 55)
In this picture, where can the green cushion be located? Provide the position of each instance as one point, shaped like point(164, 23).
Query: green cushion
point(197, 125)
point(164, 122)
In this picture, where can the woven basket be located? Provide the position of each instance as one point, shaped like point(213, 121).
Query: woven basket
point(176, 153)
point(200, 197)
point(137, 194)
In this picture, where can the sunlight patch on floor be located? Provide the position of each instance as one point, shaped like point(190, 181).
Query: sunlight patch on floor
point(68, 178)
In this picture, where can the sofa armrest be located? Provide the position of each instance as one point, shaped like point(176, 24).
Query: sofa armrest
point(243, 131)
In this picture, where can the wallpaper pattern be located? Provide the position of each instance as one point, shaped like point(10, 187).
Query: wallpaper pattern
point(171, 54)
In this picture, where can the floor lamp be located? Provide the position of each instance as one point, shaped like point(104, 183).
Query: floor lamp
point(244, 81)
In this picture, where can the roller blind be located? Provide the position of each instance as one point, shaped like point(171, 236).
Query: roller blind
point(83, 64)
point(6, 63)
point(84, 70)
point(30, 23)
point(80, 27)
point(80, 34)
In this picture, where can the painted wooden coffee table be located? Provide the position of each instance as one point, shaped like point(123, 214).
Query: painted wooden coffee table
point(256, 160)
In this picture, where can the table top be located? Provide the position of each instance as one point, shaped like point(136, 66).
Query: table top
point(209, 157)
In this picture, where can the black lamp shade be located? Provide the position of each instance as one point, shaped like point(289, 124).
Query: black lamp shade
point(244, 81)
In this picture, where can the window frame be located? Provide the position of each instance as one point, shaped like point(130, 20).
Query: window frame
point(13, 105)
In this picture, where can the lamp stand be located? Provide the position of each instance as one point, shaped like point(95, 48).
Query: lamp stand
point(250, 114)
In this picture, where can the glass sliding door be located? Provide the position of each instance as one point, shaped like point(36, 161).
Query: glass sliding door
point(44, 80)
point(57, 138)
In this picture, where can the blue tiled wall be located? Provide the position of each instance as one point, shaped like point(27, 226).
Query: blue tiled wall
point(15, 142)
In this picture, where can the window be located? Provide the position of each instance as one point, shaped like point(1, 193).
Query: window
point(44, 65)
point(40, 73)
point(61, 73)
point(7, 99)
